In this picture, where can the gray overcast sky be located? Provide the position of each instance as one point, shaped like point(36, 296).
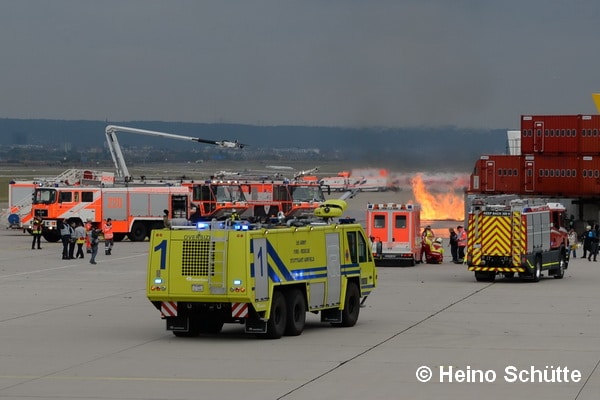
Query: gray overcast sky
point(354, 63)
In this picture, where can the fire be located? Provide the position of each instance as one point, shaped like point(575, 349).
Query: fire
point(438, 206)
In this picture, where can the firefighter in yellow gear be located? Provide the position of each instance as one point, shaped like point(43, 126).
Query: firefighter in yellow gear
point(36, 231)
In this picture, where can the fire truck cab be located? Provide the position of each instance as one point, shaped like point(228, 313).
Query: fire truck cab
point(524, 237)
point(394, 230)
point(295, 199)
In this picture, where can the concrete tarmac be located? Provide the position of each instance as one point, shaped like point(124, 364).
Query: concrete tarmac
point(70, 330)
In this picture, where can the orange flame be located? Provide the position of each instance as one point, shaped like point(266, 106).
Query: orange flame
point(440, 206)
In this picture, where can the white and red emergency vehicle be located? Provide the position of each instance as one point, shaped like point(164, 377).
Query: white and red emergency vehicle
point(134, 211)
point(394, 230)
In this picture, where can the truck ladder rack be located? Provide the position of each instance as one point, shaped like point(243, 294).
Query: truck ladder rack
point(217, 260)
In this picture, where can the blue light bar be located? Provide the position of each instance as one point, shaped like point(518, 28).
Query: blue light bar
point(202, 226)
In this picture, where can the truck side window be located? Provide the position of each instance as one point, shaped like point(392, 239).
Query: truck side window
point(357, 246)
point(379, 221)
point(362, 249)
point(401, 221)
point(352, 245)
point(87, 197)
point(65, 197)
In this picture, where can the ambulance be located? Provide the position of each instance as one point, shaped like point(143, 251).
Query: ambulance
point(395, 232)
point(265, 277)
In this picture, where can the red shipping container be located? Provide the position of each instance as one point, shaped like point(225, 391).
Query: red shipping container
point(550, 134)
point(496, 174)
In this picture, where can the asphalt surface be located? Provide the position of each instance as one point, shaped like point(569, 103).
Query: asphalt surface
point(70, 330)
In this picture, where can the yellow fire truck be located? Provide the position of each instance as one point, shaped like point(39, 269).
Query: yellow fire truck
point(523, 237)
point(263, 276)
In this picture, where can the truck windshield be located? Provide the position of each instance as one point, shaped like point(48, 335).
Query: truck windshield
point(307, 193)
point(229, 193)
point(44, 196)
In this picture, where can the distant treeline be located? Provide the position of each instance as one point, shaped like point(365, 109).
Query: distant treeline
point(446, 147)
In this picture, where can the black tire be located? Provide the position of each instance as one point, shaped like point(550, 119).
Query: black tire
point(537, 273)
point(277, 321)
point(485, 276)
point(296, 312)
point(193, 331)
point(560, 272)
point(351, 305)
point(138, 233)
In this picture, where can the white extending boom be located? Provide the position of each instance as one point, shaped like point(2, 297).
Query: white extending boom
point(117, 154)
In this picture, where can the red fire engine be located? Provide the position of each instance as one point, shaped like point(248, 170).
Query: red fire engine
point(134, 211)
point(524, 237)
point(395, 234)
point(294, 199)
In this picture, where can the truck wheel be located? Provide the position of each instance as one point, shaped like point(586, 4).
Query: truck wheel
point(296, 312)
point(537, 274)
point(560, 272)
point(193, 331)
point(351, 305)
point(484, 276)
point(138, 232)
point(277, 321)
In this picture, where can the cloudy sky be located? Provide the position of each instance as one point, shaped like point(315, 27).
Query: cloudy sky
point(353, 63)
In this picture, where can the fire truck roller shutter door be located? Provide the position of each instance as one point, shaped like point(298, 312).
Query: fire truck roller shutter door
point(114, 205)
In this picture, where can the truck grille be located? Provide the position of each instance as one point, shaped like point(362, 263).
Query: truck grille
point(197, 258)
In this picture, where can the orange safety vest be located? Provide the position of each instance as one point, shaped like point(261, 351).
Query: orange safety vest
point(462, 238)
point(107, 229)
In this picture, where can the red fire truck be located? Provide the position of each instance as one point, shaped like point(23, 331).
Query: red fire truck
point(524, 237)
point(134, 211)
point(293, 199)
point(395, 232)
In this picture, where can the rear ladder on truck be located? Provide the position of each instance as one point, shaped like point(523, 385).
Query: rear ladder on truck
point(217, 260)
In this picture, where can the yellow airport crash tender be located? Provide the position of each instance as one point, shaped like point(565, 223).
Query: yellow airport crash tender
point(265, 276)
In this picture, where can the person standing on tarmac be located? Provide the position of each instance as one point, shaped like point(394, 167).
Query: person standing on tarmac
point(36, 230)
point(94, 241)
point(65, 237)
point(80, 236)
point(453, 245)
point(166, 220)
point(88, 228)
point(72, 241)
point(108, 237)
point(462, 242)
point(427, 237)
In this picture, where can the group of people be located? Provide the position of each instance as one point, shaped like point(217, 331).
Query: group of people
point(74, 235)
point(590, 239)
point(433, 250)
point(457, 243)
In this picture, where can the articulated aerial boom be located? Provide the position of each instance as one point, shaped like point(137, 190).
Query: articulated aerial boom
point(117, 154)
